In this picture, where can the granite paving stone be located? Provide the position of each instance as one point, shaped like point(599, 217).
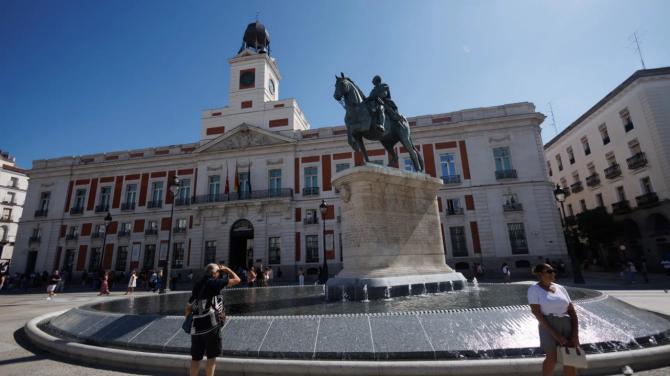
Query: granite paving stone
point(291, 337)
point(344, 338)
point(244, 336)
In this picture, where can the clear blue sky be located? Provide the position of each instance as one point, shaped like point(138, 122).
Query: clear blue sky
point(80, 77)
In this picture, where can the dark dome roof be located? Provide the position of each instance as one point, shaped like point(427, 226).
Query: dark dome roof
point(256, 36)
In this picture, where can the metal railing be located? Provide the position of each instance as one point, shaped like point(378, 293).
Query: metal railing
point(128, 206)
point(41, 213)
point(238, 196)
point(454, 211)
point(593, 180)
point(182, 201)
point(638, 160)
point(451, 179)
point(646, 200)
point(77, 210)
point(506, 174)
point(35, 239)
point(123, 233)
point(620, 207)
point(151, 231)
point(310, 220)
point(102, 208)
point(310, 191)
point(613, 171)
point(179, 230)
point(576, 187)
point(155, 204)
point(97, 235)
point(71, 236)
point(512, 206)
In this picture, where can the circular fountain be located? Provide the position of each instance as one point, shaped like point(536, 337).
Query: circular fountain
point(394, 309)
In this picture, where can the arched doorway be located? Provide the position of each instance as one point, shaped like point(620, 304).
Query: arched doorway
point(241, 251)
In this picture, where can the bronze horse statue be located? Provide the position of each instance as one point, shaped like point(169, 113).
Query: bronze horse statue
point(358, 121)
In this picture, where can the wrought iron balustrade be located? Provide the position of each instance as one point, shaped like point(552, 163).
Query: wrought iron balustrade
point(621, 207)
point(593, 180)
point(647, 200)
point(238, 196)
point(128, 206)
point(512, 206)
point(155, 204)
point(638, 160)
point(451, 179)
point(506, 174)
point(41, 213)
point(576, 187)
point(613, 171)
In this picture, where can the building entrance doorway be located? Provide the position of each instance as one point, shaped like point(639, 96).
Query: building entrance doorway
point(32, 260)
point(241, 251)
point(68, 262)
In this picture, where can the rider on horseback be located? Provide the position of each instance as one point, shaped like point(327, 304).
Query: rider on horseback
point(380, 102)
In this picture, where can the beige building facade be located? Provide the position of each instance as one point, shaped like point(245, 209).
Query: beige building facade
point(13, 188)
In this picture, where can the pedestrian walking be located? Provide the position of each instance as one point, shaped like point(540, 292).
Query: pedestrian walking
point(132, 283)
point(301, 277)
point(557, 318)
point(631, 270)
point(206, 306)
point(507, 273)
point(644, 270)
point(52, 283)
point(104, 286)
point(251, 279)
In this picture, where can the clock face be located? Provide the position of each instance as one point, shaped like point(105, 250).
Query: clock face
point(272, 86)
point(247, 79)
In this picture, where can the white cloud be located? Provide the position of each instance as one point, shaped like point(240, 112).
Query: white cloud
point(466, 49)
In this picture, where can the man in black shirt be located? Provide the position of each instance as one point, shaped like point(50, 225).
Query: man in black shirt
point(206, 305)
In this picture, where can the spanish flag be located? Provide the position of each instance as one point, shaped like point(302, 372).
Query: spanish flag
point(236, 184)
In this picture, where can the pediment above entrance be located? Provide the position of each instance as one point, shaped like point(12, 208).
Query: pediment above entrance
point(242, 137)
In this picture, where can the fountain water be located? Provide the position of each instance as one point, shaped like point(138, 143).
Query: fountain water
point(409, 289)
point(365, 294)
point(387, 293)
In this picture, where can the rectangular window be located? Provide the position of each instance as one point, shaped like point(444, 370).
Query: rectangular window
point(571, 155)
point(611, 159)
point(585, 145)
point(626, 120)
point(502, 158)
point(181, 223)
point(14, 182)
point(6, 214)
point(244, 183)
point(149, 256)
point(274, 182)
point(105, 195)
point(454, 206)
point(458, 242)
point(311, 177)
point(36, 233)
point(79, 198)
point(94, 260)
point(634, 146)
point(152, 228)
point(178, 256)
point(592, 168)
point(184, 193)
point(559, 162)
point(126, 227)
point(408, 165)
point(599, 200)
point(98, 230)
point(131, 194)
point(604, 134)
point(582, 204)
point(210, 252)
point(157, 191)
point(44, 201)
point(517, 238)
point(310, 217)
point(341, 167)
point(11, 196)
point(448, 164)
point(121, 258)
point(549, 168)
point(620, 193)
point(214, 187)
point(311, 248)
point(645, 183)
point(274, 250)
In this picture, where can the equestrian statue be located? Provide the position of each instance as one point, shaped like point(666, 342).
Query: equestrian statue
point(376, 118)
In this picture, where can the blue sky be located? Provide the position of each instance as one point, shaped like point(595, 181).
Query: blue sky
point(80, 77)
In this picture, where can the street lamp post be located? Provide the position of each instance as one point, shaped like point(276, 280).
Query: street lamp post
point(108, 220)
point(559, 194)
point(173, 186)
point(323, 208)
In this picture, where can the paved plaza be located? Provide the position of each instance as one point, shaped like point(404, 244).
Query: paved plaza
point(19, 357)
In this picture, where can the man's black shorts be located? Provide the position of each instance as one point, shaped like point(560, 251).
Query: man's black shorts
point(208, 343)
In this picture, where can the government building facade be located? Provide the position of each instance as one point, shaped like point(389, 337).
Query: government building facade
point(13, 187)
point(616, 157)
point(251, 187)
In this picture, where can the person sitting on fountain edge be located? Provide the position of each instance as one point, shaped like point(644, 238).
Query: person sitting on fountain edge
point(206, 304)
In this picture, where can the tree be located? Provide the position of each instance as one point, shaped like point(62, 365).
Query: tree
point(598, 227)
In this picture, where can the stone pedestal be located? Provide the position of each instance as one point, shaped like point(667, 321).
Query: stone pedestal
point(391, 237)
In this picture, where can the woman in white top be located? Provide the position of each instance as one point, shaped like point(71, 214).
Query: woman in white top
point(551, 305)
point(132, 283)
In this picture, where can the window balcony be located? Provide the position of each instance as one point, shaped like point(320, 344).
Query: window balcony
point(613, 171)
point(35, 239)
point(179, 230)
point(629, 126)
point(506, 174)
point(512, 206)
point(576, 187)
point(647, 200)
point(97, 235)
point(155, 204)
point(128, 206)
point(310, 221)
point(151, 231)
point(71, 236)
point(238, 196)
point(593, 180)
point(310, 191)
point(451, 179)
point(102, 208)
point(454, 211)
point(182, 201)
point(620, 207)
point(41, 213)
point(77, 210)
point(123, 233)
point(639, 160)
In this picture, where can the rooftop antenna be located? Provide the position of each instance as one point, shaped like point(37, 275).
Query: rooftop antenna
point(553, 119)
point(637, 48)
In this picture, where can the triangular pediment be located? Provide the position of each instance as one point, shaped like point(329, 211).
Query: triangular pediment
point(242, 137)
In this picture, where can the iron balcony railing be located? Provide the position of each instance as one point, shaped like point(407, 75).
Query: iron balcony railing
point(123, 233)
point(77, 210)
point(179, 230)
point(512, 206)
point(455, 211)
point(41, 213)
point(310, 220)
point(102, 208)
point(506, 174)
point(621, 207)
point(451, 179)
point(638, 160)
point(593, 180)
point(151, 231)
point(182, 201)
point(613, 171)
point(646, 200)
point(97, 235)
point(238, 196)
point(310, 191)
point(576, 187)
point(71, 236)
point(128, 206)
point(35, 239)
point(155, 204)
